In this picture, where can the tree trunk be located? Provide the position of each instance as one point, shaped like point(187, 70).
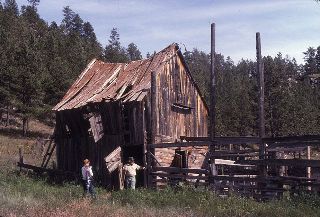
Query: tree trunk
point(8, 116)
point(25, 126)
point(1, 116)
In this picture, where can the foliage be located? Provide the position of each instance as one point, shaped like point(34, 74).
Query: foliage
point(291, 97)
point(114, 52)
point(39, 62)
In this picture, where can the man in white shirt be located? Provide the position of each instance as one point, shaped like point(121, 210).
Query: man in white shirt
point(87, 179)
point(130, 172)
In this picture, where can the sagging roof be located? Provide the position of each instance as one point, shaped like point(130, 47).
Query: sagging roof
point(102, 81)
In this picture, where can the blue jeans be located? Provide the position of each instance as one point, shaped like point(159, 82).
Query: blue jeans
point(130, 182)
point(88, 188)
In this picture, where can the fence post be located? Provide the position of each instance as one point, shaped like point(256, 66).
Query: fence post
point(20, 158)
point(309, 168)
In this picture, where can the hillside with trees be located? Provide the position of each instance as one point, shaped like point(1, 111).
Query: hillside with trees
point(39, 61)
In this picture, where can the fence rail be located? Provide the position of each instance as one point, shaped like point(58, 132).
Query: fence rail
point(242, 169)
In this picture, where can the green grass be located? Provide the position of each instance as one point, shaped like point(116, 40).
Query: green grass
point(25, 195)
point(205, 203)
point(30, 195)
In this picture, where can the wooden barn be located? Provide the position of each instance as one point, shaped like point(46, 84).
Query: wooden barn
point(114, 109)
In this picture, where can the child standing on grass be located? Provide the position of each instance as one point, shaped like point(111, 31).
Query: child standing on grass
point(130, 172)
point(87, 179)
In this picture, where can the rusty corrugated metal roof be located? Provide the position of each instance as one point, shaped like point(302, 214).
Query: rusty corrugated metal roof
point(102, 81)
point(113, 81)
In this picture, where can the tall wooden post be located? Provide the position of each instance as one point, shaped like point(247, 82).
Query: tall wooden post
point(260, 73)
point(153, 125)
point(153, 106)
point(309, 168)
point(213, 85)
point(212, 105)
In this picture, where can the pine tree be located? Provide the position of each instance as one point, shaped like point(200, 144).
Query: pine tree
point(113, 52)
point(310, 61)
point(133, 52)
point(68, 16)
point(34, 3)
point(246, 98)
point(199, 65)
point(9, 33)
point(93, 48)
point(31, 66)
point(317, 57)
point(10, 6)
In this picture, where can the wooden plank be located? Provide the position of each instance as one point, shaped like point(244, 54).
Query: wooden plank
point(195, 138)
point(215, 155)
point(113, 154)
point(291, 138)
point(295, 144)
point(284, 149)
point(244, 151)
point(179, 144)
point(289, 178)
point(230, 163)
point(180, 176)
point(282, 162)
point(41, 169)
point(235, 178)
point(189, 182)
point(180, 170)
point(112, 166)
point(113, 160)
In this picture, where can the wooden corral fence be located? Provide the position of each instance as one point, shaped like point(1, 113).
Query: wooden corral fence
point(235, 165)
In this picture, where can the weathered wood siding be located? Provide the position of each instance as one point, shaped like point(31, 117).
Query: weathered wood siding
point(174, 88)
point(180, 109)
point(75, 142)
point(133, 123)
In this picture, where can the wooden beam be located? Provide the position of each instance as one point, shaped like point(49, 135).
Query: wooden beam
point(42, 170)
point(180, 176)
point(260, 73)
point(213, 84)
point(261, 90)
point(252, 154)
point(295, 144)
point(153, 106)
point(235, 178)
point(179, 144)
point(291, 138)
point(237, 140)
point(180, 170)
point(262, 147)
point(282, 162)
point(154, 158)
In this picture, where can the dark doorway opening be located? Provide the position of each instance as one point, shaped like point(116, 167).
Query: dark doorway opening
point(135, 151)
